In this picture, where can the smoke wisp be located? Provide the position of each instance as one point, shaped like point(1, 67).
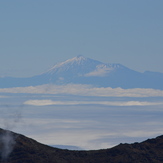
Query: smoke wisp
point(7, 139)
point(7, 142)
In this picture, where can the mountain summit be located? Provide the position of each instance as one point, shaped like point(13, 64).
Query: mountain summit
point(81, 66)
point(81, 70)
point(75, 65)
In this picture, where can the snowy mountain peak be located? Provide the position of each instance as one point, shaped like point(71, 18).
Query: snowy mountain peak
point(81, 70)
point(80, 57)
point(63, 66)
point(83, 66)
point(78, 60)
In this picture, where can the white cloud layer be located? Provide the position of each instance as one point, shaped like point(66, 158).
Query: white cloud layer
point(110, 103)
point(85, 90)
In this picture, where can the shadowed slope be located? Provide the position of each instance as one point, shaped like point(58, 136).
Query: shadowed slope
point(28, 150)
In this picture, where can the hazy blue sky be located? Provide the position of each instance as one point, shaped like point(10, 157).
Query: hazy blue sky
point(36, 34)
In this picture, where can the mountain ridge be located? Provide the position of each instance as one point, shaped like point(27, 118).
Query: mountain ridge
point(82, 61)
point(81, 70)
point(27, 150)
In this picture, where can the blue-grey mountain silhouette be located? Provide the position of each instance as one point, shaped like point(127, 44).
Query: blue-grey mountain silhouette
point(81, 70)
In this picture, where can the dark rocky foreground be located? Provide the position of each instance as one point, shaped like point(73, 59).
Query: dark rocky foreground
point(16, 148)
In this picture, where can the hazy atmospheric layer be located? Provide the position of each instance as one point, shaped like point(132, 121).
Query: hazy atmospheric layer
point(81, 115)
point(126, 32)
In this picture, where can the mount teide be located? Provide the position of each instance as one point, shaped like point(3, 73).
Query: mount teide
point(81, 70)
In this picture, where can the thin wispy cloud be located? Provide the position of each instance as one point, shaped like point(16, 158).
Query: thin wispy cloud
point(3, 96)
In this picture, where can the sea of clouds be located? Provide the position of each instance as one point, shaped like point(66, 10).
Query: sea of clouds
point(82, 115)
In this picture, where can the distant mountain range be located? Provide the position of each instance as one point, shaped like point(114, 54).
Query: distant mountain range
point(81, 70)
point(16, 148)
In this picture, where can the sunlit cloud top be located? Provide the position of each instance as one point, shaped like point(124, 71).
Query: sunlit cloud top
point(85, 90)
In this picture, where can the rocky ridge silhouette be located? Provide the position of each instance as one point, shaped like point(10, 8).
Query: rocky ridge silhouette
point(27, 150)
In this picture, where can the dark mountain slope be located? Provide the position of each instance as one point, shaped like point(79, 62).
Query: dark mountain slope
point(26, 150)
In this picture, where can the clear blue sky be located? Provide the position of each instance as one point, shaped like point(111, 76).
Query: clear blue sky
point(36, 34)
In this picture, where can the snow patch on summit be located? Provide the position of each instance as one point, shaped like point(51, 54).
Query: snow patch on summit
point(101, 70)
point(76, 60)
point(63, 66)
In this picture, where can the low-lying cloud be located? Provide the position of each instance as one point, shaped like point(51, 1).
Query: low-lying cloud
point(109, 103)
point(85, 90)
